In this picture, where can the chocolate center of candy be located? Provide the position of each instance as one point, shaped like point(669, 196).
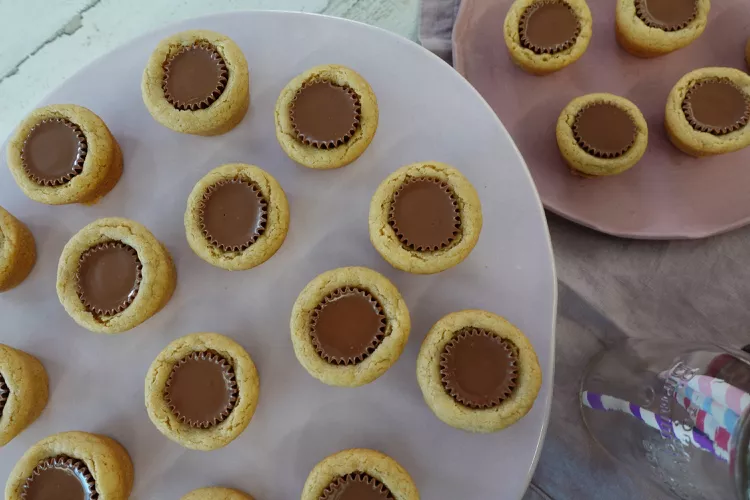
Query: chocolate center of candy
point(60, 478)
point(194, 77)
point(667, 15)
point(356, 486)
point(201, 390)
point(233, 214)
point(548, 27)
point(478, 368)
point(325, 115)
point(53, 152)
point(347, 326)
point(424, 214)
point(604, 130)
point(716, 106)
point(109, 276)
point(4, 393)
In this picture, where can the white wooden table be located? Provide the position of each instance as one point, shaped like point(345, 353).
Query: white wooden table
point(43, 42)
point(46, 41)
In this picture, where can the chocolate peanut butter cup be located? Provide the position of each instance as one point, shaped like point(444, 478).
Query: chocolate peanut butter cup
point(325, 115)
point(60, 478)
point(54, 152)
point(424, 214)
point(4, 393)
point(604, 130)
point(479, 369)
point(233, 214)
point(194, 77)
point(359, 474)
point(666, 15)
point(356, 486)
point(347, 326)
point(425, 218)
point(548, 27)
point(202, 390)
point(108, 278)
point(716, 106)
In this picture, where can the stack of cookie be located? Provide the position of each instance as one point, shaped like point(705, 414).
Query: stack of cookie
point(348, 326)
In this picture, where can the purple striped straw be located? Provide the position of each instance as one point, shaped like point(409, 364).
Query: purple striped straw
point(667, 427)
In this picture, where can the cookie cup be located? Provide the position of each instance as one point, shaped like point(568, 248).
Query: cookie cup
point(308, 155)
point(223, 433)
point(450, 411)
point(223, 114)
point(101, 169)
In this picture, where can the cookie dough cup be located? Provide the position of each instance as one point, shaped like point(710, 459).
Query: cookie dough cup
point(359, 473)
point(202, 390)
point(708, 110)
point(113, 275)
point(477, 371)
point(651, 28)
point(544, 36)
point(73, 464)
point(237, 217)
point(216, 493)
point(17, 251)
point(326, 117)
point(425, 218)
point(62, 154)
point(23, 391)
point(197, 82)
point(601, 134)
point(349, 326)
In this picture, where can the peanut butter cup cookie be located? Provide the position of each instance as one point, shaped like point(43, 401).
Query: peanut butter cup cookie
point(237, 217)
point(349, 325)
point(23, 391)
point(601, 134)
point(359, 474)
point(425, 218)
point(113, 275)
point(197, 82)
point(72, 465)
point(650, 28)
point(216, 493)
point(708, 110)
point(326, 117)
point(17, 251)
point(544, 36)
point(63, 154)
point(202, 390)
point(477, 371)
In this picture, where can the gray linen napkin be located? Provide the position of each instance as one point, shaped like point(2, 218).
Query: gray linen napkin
point(436, 26)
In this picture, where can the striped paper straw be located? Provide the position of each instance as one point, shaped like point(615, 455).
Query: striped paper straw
point(723, 415)
point(720, 391)
point(715, 420)
point(687, 436)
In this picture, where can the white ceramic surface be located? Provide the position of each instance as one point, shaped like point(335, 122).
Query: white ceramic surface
point(427, 111)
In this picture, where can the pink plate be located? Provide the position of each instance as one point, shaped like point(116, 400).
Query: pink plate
point(668, 195)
